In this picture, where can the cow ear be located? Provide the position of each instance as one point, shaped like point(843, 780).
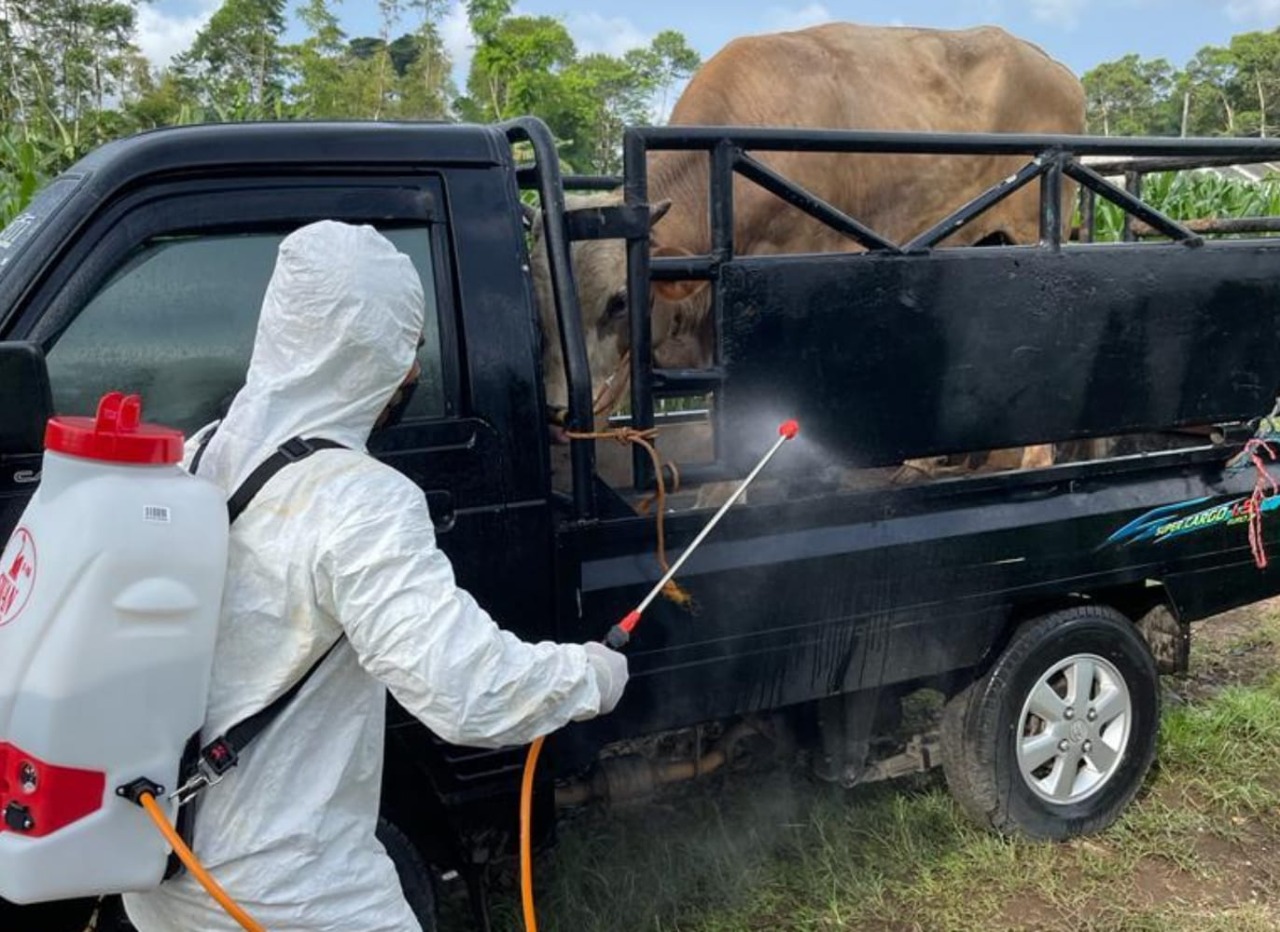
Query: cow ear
point(675, 291)
point(658, 211)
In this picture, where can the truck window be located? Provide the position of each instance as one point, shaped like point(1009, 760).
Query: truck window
point(176, 324)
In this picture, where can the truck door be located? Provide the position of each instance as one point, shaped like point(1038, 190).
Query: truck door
point(160, 295)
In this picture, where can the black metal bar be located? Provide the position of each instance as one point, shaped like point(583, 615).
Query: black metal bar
point(1051, 202)
point(811, 204)
point(636, 195)
point(572, 344)
point(670, 268)
point(722, 160)
point(815, 140)
point(615, 222)
point(591, 182)
point(1146, 166)
point(670, 382)
point(1088, 213)
point(665, 418)
point(1132, 184)
point(1222, 225)
point(1131, 205)
point(527, 177)
point(983, 202)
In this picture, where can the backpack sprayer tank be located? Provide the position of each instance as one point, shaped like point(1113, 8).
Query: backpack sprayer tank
point(109, 596)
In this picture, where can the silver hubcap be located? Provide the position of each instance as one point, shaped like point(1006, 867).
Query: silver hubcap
point(1073, 729)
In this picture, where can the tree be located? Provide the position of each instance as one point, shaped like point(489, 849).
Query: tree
point(1131, 97)
point(236, 60)
point(426, 84)
point(518, 65)
point(1256, 57)
point(1210, 77)
point(316, 62)
point(63, 62)
point(603, 96)
point(675, 62)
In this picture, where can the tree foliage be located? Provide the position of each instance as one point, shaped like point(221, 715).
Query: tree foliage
point(72, 76)
point(1231, 90)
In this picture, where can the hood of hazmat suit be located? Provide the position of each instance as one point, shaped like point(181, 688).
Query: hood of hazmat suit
point(339, 544)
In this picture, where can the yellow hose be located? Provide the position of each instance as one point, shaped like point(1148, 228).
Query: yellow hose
point(526, 836)
point(233, 909)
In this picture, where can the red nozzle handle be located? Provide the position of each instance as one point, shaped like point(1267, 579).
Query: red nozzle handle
point(789, 429)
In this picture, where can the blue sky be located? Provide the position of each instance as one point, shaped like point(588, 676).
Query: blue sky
point(1080, 33)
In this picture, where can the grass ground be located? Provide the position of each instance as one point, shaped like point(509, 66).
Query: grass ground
point(1199, 850)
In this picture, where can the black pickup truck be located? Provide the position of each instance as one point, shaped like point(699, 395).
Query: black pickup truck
point(1041, 603)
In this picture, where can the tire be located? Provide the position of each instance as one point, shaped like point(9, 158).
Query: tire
point(1021, 763)
point(415, 876)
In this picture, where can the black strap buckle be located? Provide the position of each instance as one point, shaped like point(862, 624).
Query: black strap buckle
point(216, 758)
point(219, 756)
point(295, 448)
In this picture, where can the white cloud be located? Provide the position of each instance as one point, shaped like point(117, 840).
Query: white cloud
point(1062, 13)
point(784, 18)
point(612, 35)
point(459, 41)
point(1241, 11)
point(164, 35)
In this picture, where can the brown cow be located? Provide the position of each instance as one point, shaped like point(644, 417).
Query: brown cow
point(836, 76)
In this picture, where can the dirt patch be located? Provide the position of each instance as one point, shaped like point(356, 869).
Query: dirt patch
point(1236, 648)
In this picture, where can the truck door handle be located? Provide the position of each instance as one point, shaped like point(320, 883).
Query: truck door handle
point(440, 504)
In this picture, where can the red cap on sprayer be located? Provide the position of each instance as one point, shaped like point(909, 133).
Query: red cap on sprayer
point(789, 429)
point(115, 435)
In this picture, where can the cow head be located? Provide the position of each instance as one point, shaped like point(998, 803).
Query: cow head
point(678, 312)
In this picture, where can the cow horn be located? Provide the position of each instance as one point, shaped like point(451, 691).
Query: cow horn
point(530, 215)
point(658, 211)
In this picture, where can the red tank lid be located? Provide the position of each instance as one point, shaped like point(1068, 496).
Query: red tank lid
point(116, 435)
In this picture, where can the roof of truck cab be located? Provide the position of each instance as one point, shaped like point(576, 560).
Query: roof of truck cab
point(282, 144)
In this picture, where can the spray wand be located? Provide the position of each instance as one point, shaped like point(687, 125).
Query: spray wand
point(618, 637)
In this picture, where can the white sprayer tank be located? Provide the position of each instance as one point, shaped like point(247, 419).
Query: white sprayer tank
point(109, 595)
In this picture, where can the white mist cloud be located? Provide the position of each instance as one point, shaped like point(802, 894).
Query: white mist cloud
point(162, 35)
point(459, 40)
point(1062, 13)
point(1242, 11)
point(612, 35)
point(787, 18)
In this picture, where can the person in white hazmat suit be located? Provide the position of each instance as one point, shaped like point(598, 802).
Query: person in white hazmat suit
point(342, 544)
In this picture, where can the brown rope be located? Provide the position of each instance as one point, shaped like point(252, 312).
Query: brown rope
point(645, 439)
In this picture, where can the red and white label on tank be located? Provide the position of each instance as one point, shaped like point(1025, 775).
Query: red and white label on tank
point(17, 575)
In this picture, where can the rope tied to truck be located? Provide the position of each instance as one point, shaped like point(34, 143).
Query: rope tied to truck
point(1264, 487)
point(646, 440)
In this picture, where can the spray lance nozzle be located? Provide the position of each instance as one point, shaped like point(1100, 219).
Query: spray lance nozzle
point(620, 633)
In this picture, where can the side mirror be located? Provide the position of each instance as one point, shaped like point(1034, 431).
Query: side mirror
point(26, 401)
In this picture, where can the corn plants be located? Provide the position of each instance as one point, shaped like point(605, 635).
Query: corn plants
point(1193, 195)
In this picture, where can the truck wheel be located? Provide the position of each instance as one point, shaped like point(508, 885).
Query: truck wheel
point(415, 876)
point(1058, 736)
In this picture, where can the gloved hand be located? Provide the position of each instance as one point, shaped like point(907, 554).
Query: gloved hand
point(611, 674)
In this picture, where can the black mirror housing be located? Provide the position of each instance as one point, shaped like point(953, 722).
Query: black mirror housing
point(26, 400)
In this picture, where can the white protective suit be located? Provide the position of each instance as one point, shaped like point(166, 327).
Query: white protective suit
point(340, 543)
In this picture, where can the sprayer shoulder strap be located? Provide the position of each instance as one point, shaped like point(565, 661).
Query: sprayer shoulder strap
point(223, 752)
